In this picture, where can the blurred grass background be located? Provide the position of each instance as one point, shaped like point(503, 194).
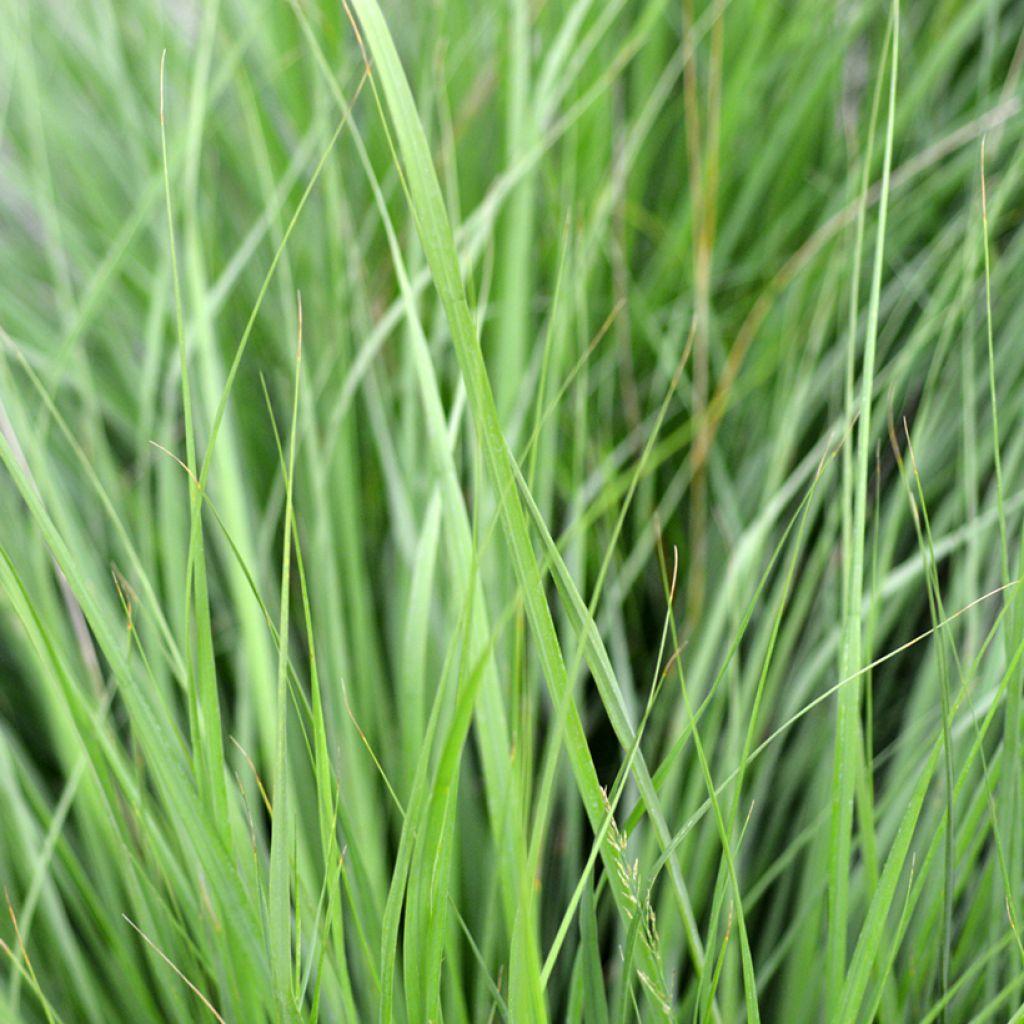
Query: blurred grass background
point(511, 511)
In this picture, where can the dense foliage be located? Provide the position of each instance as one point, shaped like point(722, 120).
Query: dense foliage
point(511, 511)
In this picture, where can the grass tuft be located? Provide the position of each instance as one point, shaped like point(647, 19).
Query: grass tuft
point(511, 512)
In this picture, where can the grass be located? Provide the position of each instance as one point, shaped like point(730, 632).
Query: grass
point(511, 511)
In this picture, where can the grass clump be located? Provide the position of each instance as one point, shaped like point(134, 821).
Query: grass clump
point(510, 512)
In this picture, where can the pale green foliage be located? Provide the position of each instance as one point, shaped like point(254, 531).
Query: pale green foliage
point(511, 511)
